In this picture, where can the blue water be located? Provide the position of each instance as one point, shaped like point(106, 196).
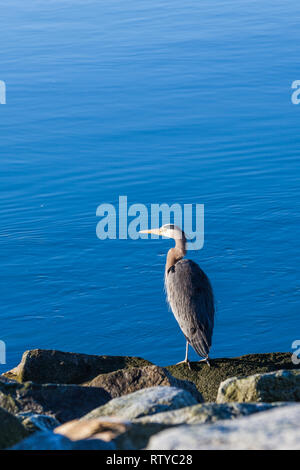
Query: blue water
point(186, 102)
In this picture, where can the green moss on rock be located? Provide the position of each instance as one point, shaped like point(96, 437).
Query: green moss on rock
point(207, 379)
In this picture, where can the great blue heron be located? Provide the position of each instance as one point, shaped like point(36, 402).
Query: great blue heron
point(189, 294)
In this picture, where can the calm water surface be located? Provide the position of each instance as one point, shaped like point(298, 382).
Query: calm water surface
point(175, 102)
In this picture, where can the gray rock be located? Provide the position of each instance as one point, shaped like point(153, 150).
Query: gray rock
point(206, 413)
point(125, 381)
point(63, 402)
point(140, 430)
point(50, 366)
point(11, 430)
point(283, 385)
point(276, 429)
point(35, 422)
point(49, 441)
point(144, 402)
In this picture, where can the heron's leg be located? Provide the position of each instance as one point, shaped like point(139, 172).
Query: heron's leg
point(205, 359)
point(186, 360)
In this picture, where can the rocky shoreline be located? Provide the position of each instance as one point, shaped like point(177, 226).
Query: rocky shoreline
point(61, 400)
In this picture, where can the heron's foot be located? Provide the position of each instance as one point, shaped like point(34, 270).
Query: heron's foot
point(185, 361)
point(205, 359)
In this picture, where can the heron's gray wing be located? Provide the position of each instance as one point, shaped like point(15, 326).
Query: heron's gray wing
point(191, 298)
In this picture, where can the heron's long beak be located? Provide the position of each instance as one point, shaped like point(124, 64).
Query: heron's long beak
point(155, 231)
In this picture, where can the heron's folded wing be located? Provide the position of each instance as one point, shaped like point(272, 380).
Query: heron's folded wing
point(191, 298)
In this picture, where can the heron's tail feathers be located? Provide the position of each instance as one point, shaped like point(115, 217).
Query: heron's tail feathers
point(201, 347)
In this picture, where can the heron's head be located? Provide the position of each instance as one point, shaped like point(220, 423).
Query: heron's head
point(168, 231)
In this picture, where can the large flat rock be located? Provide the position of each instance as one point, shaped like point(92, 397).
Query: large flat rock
point(276, 429)
point(207, 379)
point(282, 385)
point(63, 402)
point(51, 366)
point(144, 402)
point(207, 413)
point(125, 381)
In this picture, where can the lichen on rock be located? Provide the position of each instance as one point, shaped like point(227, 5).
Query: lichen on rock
point(282, 385)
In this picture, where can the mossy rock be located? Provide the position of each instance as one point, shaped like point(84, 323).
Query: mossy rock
point(50, 366)
point(282, 385)
point(207, 379)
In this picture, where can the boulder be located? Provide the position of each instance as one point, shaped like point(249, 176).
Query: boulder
point(50, 366)
point(11, 430)
point(283, 385)
point(276, 429)
point(63, 402)
point(144, 402)
point(206, 413)
point(207, 379)
point(135, 434)
point(47, 440)
point(125, 381)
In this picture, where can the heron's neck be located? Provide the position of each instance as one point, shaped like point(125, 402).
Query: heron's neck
point(176, 253)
